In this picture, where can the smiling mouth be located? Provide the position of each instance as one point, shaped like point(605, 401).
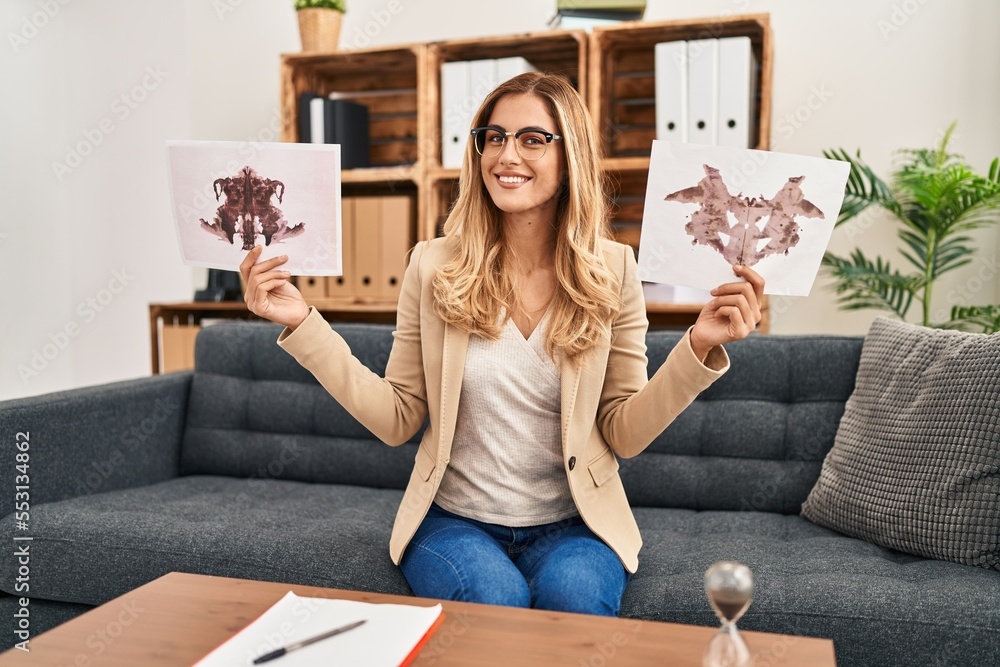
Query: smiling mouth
point(513, 180)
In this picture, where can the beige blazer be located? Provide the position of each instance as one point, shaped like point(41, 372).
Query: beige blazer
point(608, 406)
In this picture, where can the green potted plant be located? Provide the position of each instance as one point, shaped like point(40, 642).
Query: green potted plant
point(938, 200)
point(319, 23)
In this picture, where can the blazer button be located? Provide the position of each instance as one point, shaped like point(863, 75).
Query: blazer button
point(572, 462)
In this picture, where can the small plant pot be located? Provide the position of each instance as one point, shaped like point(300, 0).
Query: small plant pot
point(319, 29)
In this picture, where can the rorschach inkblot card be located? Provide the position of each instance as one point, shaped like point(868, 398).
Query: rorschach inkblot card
point(229, 196)
point(710, 207)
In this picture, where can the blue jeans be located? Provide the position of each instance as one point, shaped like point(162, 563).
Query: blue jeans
point(559, 566)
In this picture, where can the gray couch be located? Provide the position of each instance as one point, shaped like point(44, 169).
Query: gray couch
point(247, 468)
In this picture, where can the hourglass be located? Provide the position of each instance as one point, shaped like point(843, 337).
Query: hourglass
point(729, 587)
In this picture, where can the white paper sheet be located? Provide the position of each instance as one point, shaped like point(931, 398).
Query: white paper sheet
point(385, 640)
point(709, 207)
point(289, 202)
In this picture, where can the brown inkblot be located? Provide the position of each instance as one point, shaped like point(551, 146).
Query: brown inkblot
point(248, 209)
point(709, 225)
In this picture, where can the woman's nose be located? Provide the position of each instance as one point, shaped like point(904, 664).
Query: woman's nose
point(509, 154)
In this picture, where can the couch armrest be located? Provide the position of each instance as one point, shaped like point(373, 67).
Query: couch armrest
point(94, 439)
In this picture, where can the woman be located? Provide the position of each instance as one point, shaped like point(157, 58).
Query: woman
point(521, 335)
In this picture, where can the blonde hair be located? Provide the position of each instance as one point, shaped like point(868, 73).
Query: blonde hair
point(471, 289)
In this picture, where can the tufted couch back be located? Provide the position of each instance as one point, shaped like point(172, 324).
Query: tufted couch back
point(255, 412)
point(755, 440)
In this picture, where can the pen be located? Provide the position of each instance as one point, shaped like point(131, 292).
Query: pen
point(305, 642)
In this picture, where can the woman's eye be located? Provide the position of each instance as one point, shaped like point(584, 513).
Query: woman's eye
point(532, 140)
point(494, 138)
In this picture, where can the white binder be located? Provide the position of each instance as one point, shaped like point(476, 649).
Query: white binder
point(734, 92)
point(317, 120)
point(508, 68)
point(703, 87)
point(454, 121)
point(671, 90)
point(482, 81)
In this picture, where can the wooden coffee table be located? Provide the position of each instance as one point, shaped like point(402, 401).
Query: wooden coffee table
point(179, 618)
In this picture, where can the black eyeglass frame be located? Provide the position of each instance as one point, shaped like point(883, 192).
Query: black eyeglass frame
point(549, 138)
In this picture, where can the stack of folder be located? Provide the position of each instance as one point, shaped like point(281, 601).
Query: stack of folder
point(336, 121)
point(705, 91)
point(377, 233)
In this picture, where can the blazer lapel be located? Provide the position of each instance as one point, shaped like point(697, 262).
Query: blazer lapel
point(456, 344)
point(570, 373)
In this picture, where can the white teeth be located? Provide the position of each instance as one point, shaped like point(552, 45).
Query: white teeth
point(512, 179)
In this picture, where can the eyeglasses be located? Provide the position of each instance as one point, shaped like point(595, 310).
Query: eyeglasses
point(529, 143)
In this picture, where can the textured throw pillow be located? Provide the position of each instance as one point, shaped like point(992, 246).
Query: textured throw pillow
point(915, 465)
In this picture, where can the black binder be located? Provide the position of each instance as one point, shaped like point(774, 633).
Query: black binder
point(346, 123)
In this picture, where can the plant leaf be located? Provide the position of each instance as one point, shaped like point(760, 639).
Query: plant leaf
point(867, 283)
point(864, 188)
point(938, 199)
point(986, 318)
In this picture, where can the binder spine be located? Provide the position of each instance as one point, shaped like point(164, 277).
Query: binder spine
point(671, 60)
point(703, 88)
point(735, 77)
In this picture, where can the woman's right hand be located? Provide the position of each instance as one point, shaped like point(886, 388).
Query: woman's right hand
point(270, 293)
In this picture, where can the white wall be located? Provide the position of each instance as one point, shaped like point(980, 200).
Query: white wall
point(858, 74)
point(97, 88)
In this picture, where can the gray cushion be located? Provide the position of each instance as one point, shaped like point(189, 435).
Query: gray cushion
point(754, 440)
point(92, 549)
point(880, 607)
point(916, 463)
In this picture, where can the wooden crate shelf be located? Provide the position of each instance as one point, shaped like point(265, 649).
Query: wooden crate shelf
point(443, 193)
point(381, 175)
point(387, 81)
point(622, 81)
point(561, 52)
point(627, 192)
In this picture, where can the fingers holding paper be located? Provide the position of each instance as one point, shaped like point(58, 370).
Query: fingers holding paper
point(731, 315)
point(269, 291)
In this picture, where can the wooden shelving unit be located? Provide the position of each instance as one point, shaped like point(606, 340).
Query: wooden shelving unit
point(612, 68)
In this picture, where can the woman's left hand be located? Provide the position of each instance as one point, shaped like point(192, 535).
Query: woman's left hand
point(731, 315)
